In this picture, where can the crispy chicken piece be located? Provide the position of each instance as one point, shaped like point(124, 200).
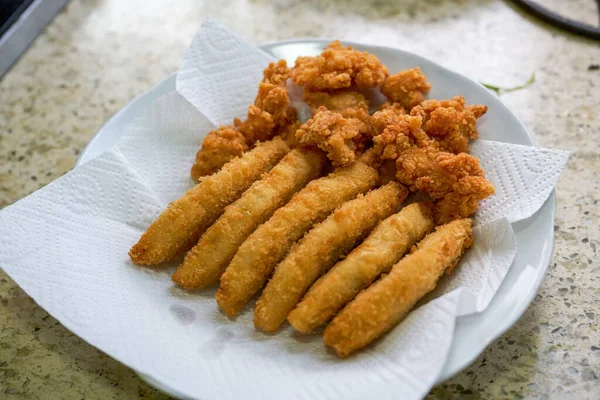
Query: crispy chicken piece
point(385, 246)
point(275, 100)
point(258, 125)
point(276, 73)
point(388, 114)
point(218, 147)
point(407, 87)
point(386, 302)
point(206, 261)
point(456, 180)
point(270, 113)
point(339, 67)
point(399, 108)
point(339, 137)
point(396, 133)
point(435, 172)
point(179, 227)
point(319, 249)
point(450, 122)
point(256, 258)
point(349, 103)
point(463, 200)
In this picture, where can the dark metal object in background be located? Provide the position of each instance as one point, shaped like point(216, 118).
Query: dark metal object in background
point(10, 11)
point(20, 22)
point(559, 21)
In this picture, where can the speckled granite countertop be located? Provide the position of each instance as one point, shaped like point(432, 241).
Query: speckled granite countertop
point(98, 54)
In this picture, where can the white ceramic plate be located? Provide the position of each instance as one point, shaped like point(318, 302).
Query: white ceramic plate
point(535, 236)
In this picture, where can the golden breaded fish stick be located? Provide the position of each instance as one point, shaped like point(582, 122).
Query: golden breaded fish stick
point(178, 228)
point(388, 242)
point(255, 260)
point(206, 261)
point(319, 249)
point(380, 307)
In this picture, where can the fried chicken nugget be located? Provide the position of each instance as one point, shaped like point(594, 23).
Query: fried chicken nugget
point(179, 227)
point(435, 172)
point(388, 242)
point(407, 87)
point(206, 261)
point(339, 67)
point(339, 137)
point(386, 302)
point(455, 180)
point(319, 249)
point(385, 117)
point(218, 147)
point(267, 245)
point(270, 113)
point(273, 96)
point(397, 107)
point(276, 73)
point(395, 133)
point(349, 103)
point(463, 201)
point(450, 122)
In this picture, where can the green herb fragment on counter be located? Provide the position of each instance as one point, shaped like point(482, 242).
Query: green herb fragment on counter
point(499, 90)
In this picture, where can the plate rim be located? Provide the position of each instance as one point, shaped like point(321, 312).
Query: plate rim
point(546, 257)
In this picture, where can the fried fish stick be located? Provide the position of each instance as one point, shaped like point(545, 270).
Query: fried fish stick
point(319, 249)
point(179, 227)
point(385, 246)
point(385, 303)
point(206, 261)
point(267, 245)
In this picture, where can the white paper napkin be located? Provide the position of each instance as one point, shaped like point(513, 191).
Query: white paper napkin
point(220, 72)
point(483, 268)
point(524, 177)
point(66, 245)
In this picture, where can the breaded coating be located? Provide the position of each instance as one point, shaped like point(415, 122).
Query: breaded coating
point(267, 245)
point(270, 114)
point(407, 87)
point(450, 122)
point(319, 249)
point(219, 147)
point(403, 133)
point(258, 125)
point(463, 200)
point(179, 227)
point(276, 73)
point(423, 166)
point(434, 172)
point(339, 67)
point(385, 303)
point(397, 107)
point(385, 246)
point(349, 103)
point(339, 137)
point(386, 116)
point(206, 261)
point(275, 100)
